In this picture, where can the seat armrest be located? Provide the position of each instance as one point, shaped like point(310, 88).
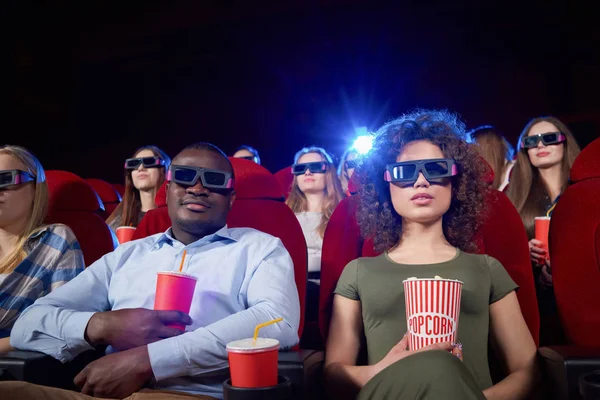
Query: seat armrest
point(33, 367)
point(565, 364)
point(302, 367)
point(41, 369)
point(305, 369)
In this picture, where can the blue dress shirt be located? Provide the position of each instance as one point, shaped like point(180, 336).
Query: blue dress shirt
point(245, 277)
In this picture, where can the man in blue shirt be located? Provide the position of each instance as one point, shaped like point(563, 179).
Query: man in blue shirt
point(245, 277)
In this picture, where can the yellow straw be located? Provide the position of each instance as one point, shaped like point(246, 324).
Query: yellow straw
point(262, 326)
point(550, 209)
point(182, 260)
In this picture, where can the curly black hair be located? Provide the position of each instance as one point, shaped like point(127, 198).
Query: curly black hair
point(376, 215)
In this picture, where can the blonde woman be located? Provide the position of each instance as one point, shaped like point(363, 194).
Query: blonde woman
point(35, 259)
point(346, 168)
point(316, 191)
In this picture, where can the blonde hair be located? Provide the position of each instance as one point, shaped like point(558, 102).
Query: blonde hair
point(333, 189)
point(39, 207)
point(343, 171)
point(526, 187)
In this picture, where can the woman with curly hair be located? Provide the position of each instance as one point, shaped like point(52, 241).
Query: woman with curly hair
point(422, 199)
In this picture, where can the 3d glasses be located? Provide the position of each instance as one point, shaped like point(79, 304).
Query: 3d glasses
point(529, 142)
point(250, 158)
point(408, 171)
point(14, 177)
point(350, 164)
point(313, 167)
point(147, 162)
point(185, 175)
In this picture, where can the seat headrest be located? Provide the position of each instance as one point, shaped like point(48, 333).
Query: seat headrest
point(161, 195)
point(69, 192)
point(105, 190)
point(354, 183)
point(285, 178)
point(587, 163)
point(253, 181)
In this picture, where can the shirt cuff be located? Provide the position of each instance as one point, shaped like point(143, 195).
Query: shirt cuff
point(166, 359)
point(74, 332)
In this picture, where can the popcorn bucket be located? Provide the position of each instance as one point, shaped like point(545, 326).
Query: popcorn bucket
point(432, 310)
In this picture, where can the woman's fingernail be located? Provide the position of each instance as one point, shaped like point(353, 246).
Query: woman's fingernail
point(458, 355)
point(453, 344)
point(459, 345)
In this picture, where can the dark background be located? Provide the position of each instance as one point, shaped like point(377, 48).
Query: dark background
point(95, 80)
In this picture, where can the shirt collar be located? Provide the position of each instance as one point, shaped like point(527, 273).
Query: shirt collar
point(167, 238)
point(38, 233)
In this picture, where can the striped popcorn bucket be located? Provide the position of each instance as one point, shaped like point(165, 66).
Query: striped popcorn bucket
point(432, 310)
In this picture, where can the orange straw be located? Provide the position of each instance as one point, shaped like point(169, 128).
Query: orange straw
point(182, 260)
point(262, 326)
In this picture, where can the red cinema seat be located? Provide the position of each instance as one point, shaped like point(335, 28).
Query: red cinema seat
point(119, 188)
point(108, 194)
point(575, 259)
point(285, 178)
point(502, 237)
point(575, 250)
point(74, 203)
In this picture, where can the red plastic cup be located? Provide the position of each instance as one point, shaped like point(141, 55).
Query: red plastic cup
point(253, 365)
point(432, 310)
point(174, 291)
point(542, 227)
point(125, 233)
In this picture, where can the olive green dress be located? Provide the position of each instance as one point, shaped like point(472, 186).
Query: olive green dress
point(377, 283)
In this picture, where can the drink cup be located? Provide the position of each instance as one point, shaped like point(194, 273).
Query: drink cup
point(174, 291)
point(253, 365)
point(542, 227)
point(432, 310)
point(125, 233)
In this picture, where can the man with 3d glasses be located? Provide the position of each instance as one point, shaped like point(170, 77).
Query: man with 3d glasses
point(245, 277)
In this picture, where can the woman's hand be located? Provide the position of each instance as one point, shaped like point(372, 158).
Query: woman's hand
point(536, 251)
point(400, 351)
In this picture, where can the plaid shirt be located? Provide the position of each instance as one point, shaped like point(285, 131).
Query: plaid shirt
point(53, 258)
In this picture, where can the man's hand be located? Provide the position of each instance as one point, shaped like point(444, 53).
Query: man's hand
point(133, 327)
point(116, 375)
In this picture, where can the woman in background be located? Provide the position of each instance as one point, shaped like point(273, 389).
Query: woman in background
point(144, 175)
point(248, 153)
point(346, 168)
point(547, 149)
point(35, 259)
point(316, 191)
point(495, 149)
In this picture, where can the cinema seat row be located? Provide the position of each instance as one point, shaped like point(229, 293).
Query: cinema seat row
point(574, 249)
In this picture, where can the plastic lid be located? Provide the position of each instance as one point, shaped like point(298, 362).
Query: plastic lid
point(247, 346)
point(542, 217)
point(127, 227)
point(177, 273)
